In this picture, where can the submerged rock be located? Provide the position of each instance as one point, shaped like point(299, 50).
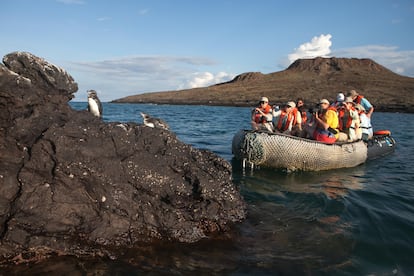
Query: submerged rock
point(72, 184)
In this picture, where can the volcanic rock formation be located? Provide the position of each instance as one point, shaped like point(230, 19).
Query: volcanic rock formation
point(310, 79)
point(72, 184)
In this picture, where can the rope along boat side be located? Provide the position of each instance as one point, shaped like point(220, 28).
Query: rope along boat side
point(276, 150)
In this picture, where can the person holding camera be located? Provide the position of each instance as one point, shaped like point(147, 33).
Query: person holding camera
point(324, 124)
point(262, 116)
point(349, 122)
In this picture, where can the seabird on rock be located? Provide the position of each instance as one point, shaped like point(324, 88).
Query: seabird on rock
point(94, 104)
point(123, 126)
point(154, 122)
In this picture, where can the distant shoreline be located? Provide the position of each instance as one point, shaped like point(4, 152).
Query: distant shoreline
point(391, 108)
point(310, 79)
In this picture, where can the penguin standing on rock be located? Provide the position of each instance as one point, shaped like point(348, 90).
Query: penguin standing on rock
point(94, 104)
point(154, 122)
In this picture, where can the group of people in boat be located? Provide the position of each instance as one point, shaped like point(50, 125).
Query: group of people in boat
point(347, 119)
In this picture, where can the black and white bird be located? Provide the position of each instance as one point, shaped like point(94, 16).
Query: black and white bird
point(94, 104)
point(154, 122)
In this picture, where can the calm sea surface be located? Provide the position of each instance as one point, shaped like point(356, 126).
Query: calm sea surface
point(357, 221)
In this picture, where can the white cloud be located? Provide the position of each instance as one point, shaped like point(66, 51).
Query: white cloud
point(318, 46)
point(203, 79)
point(398, 61)
point(159, 67)
point(117, 78)
point(401, 62)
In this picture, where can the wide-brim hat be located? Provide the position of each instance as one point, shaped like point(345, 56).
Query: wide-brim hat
point(264, 99)
point(352, 93)
point(349, 100)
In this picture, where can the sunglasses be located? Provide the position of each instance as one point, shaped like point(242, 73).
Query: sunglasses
point(262, 102)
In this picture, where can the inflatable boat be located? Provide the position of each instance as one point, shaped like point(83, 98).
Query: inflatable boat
point(281, 151)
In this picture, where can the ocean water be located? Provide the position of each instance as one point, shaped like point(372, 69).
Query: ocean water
point(357, 221)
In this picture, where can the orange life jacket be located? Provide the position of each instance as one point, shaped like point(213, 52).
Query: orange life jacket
point(258, 118)
point(303, 115)
point(337, 104)
point(358, 99)
point(341, 115)
point(339, 108)
point(283, 124)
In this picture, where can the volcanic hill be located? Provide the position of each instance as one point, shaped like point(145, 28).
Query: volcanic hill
point(311, 79)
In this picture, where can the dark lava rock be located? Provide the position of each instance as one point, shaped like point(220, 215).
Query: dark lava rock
point(72, 184)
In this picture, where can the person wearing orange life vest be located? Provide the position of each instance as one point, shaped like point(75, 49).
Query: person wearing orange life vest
point(349, 123)
point(340, 98)
point(359, 99)
point(304, 114)
point(288, 119)
point(262, 116)
point(324, 124)
point(300, 105)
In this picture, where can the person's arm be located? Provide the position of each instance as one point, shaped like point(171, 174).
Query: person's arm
point(331, 120)
point(299, 119)
point(259, 110)
point(269, 115)
point(355, 117)
point(253, 114)
point(370, 111)
point(369, 108)
point(320, 122)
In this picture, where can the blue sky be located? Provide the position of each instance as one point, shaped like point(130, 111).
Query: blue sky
point(128, 47)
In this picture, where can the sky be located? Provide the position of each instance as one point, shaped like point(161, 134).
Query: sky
point(126, 47)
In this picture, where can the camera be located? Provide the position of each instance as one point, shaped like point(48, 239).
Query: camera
point(314, 110)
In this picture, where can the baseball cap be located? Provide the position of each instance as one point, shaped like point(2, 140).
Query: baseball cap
point(340, 97)
point(324, 101)
point(291, 104)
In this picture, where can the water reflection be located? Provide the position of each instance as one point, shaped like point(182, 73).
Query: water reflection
point(334, 183)
point(298, 216)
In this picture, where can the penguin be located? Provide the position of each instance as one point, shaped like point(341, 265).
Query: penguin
point(94, 104)
point(154, 122)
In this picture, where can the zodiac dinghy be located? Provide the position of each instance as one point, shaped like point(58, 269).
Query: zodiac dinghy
point(281, 151)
